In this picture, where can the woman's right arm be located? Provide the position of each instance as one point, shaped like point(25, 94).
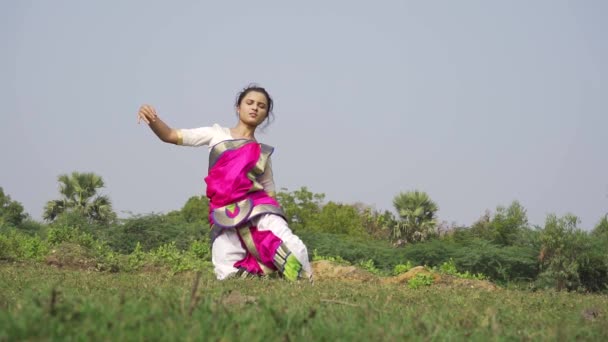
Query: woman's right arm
point(165, 133)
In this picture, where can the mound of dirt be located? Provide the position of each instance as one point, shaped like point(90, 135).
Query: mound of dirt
point(405, 277)
point(327, 270)
point(70, 255)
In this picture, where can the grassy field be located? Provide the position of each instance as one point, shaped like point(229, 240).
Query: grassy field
point(39, 302)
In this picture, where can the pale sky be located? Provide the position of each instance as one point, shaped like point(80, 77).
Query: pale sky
point(477, 103)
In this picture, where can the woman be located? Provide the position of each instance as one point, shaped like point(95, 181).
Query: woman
point(249, 234)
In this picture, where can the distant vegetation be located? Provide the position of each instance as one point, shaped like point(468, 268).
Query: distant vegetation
point(81, 227)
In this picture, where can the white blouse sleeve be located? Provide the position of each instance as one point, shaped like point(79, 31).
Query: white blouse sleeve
point(195, 136)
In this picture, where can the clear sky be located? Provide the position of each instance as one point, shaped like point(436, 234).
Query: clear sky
point(477, 103)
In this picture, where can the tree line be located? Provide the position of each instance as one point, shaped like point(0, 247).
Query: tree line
point(501, 244)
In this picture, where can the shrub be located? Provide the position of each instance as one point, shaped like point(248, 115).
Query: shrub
point(11, 212)
point(402, 268)
point(369, 266)
point(178, 260)
point(153, 231)
point(420, 280)
point(339, 219)
point(563, 244)
point(500, 264)
point(57, 235)
point(15, 245)
point(449, 267)
point(336, 259)
point(593, 264)
point(200, 249)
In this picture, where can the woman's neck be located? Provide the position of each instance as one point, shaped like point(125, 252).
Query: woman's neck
point(242, 131)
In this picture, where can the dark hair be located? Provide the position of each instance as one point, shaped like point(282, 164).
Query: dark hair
point(255, 87)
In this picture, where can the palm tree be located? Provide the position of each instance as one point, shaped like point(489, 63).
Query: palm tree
point(78, 190)
point(417, 213)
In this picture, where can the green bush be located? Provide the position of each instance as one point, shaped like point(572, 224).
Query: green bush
point(353, 249)
point(57, 235)
point(562, 244)
point(72, 219)
point(11, 212)
point(300, 206)
point(15, 245)
point(196, 209)
point(593, 264)
point(402, 268)
point(431, 253)
point(337, 218)
point(420, 280)
point(449, 267)
point(153, 231)
point(475, 256)
point(500, 264)
point(200, 249)
point(32, 227)
point(136, 259)
point(601, 229)
point(336, 259)
point(178, 260)
point(369, 266)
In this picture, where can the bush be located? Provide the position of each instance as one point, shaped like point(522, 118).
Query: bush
point(15, 245)
point(153, 231)
point(31, 227)
point(337, 218)
point(136, 259)
point(449, 267)
point(562, 245)
point(475, 256)
point(430, 253)
point(196, 209)
point(353, 249)
point(11, 212)
point(420, 280)
point(200, 249)
point(72, 219)
point(301, 207)
point(336, 259)
point(593, 265)
point(57, 235)
point(369, 266)
point(178, 260)
point(501, 264)
point(402, 268)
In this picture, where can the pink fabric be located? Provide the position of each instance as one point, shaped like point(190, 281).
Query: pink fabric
point(266, 243)
point(227, 183)
point(261, 197)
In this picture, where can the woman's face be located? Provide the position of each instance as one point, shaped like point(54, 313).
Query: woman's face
point(253, 109)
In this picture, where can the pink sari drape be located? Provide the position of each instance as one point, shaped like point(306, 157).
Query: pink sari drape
point(229, 181)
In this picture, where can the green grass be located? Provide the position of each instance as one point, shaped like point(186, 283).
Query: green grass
point(39, 302)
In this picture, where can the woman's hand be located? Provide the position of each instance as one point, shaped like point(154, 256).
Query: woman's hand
point(146, 114)
point(165, 133)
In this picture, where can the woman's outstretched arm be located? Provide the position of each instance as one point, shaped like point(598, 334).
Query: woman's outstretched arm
point(165, 133)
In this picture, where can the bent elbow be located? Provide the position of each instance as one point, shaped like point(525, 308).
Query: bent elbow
point(171, 138)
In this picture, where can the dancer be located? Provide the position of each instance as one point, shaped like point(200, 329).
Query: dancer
point(249, 234)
